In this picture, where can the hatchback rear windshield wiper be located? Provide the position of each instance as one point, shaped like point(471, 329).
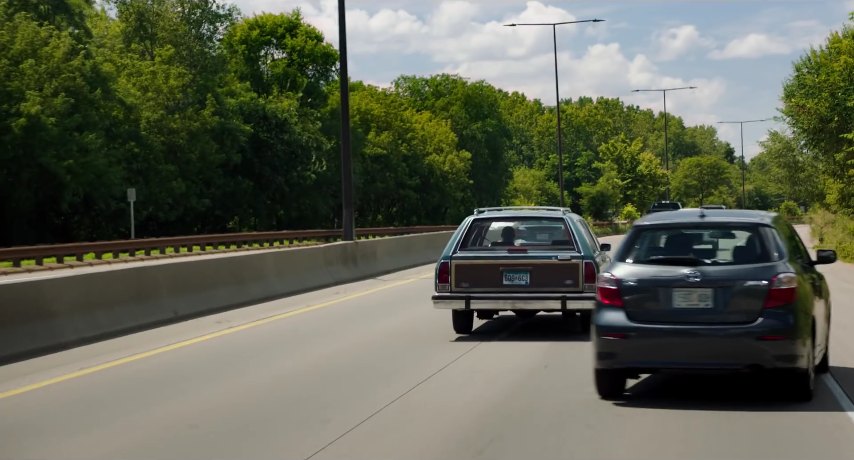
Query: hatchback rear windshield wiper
point(689, 261)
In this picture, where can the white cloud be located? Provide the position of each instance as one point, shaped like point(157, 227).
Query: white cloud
point(752, 46)
point(678, 41)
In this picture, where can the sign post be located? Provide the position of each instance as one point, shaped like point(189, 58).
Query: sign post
point(131, 199)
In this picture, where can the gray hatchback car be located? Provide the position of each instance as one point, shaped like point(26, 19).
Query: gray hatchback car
point(721, 290)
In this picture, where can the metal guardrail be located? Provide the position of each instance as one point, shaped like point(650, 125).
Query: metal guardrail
point(116, 248)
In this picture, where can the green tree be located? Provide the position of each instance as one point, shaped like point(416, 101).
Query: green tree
point(407, 167)
point(785, 171)
point(169, 71)
point(283, 66)
point(639, 173)
point(818, 103)
point(474, 112)
point(59, 165)
point(602, 199)
point(531, 187)
point(280, 53)
point(697, 180)
point(65, 15)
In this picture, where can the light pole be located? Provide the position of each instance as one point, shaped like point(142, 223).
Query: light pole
point(666, 157)
point(557, 91)
point(348, 222)
point(743, 166)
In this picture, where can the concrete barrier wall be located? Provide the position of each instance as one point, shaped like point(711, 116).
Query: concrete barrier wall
point(43, 315)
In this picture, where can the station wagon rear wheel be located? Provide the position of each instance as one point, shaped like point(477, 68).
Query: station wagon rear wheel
point(584, 319)
point(610, 383)
point(463, 321)
point(525, 314)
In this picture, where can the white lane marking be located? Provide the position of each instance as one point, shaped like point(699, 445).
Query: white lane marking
point(839, 394)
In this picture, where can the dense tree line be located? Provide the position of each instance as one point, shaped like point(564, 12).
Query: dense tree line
point(230, 123)
point(811, 163)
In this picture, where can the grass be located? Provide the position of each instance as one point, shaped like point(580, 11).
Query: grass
point(156, 252)
point(170, 250)
point(833, 231)
point(611, 229)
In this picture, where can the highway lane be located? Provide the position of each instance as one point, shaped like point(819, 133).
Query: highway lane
point(370, 371)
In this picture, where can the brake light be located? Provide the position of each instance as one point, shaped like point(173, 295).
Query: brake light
point(783, 290)
point(589, 276)
point(608, 290)
point(443, 276)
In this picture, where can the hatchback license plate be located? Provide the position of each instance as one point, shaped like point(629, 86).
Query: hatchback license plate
point(516, 278)
point(693, 298)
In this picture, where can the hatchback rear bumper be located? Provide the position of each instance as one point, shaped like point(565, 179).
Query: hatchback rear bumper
point(767, 343)
point(541, 302)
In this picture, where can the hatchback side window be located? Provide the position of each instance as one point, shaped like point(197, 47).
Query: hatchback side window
point(794, 246)
point(802, 251)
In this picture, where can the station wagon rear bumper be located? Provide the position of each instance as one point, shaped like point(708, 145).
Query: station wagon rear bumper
point(541, 302)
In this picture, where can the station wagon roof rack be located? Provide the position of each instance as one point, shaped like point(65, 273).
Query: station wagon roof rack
point(523, 208)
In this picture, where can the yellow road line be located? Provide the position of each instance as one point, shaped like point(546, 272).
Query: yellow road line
point(188, 342)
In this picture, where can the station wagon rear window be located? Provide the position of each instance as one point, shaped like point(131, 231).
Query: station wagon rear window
point(499, 234)
point(694, 246)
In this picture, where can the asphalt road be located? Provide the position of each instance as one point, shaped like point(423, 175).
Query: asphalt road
point(370, 370)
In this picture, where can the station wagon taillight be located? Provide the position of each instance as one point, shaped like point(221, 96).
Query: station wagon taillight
point(443, 277)
point(589, 276)
point(783, 291)
point(608, 290)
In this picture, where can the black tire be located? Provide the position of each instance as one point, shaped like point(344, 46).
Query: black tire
point(584, 321)
point(525, 314)
point(485, 314)
point(802, 381)
point(463, 321)
point(823, 366)
point(610, 384)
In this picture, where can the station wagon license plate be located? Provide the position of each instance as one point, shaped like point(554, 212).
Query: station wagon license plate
point(693, 298)
point(516, 278)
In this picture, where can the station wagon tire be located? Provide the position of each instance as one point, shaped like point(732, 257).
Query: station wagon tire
point(584, 319)
point(610, 383)
point(463, 321)
point(485, 314)
point(802, 381)
point(525, 314)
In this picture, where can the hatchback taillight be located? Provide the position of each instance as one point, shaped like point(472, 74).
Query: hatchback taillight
point(608, 290)
point(589, 276)
point(443, 277)
point(783, 291)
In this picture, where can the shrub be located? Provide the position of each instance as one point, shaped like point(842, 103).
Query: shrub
point(833, 231)
point(789, 210)
point(629, 213)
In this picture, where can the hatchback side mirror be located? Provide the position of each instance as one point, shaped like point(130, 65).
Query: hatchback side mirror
point(605, 247)
point(825, 256)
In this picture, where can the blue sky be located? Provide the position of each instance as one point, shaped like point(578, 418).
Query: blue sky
point(737, 52)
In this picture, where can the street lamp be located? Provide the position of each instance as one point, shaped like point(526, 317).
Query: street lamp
point(557, 92)
point(741, 126)
point(666, 157)
point(348, 221)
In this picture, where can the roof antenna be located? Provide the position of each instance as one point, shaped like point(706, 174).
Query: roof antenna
point(702, 213)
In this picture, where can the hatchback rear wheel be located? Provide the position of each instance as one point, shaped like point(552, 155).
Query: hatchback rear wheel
point(823, 366)
point(610, 383)
point(802, 381)
point(463, 321)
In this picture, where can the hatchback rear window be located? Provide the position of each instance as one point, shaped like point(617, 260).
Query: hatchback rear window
point(706, 245)
point(531, 233)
